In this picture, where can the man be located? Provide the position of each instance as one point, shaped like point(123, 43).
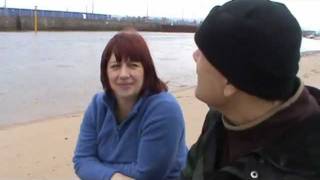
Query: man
point(263, 122)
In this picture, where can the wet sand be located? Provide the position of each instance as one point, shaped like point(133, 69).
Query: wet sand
point(309, 70)
point(43, 149)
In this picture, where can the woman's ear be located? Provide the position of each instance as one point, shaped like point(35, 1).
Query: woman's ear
point(229, 90)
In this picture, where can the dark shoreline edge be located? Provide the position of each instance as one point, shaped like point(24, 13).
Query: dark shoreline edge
point(309, 53)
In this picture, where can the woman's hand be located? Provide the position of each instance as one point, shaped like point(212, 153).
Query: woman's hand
point(119, 176)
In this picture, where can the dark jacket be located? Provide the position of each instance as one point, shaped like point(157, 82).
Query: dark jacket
point(293, 155)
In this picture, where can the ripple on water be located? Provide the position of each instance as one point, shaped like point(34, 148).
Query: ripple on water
point(65, 66)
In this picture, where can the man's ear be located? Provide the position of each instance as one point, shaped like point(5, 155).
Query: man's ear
point(229, 90)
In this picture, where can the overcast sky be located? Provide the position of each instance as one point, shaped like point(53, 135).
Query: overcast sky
point(306, 11)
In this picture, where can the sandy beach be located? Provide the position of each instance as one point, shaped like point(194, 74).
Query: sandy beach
point(43, 149)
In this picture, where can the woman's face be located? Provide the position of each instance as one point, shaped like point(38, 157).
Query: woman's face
point(125, 78)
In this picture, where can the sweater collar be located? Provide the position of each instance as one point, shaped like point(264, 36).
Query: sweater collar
point(110, 102)
point(267, 115)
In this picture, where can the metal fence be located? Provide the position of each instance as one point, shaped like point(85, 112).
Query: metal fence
point(47, 13)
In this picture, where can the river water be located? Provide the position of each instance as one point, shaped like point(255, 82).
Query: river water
point(55, 73)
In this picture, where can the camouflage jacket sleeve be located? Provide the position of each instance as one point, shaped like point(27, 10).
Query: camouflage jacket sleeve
point(194, 166)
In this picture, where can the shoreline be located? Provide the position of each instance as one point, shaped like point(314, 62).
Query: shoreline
point(35, 121)
point(310, 53)
point(10, 125)
point(304, 55)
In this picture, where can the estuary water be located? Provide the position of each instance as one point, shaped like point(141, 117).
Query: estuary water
point(49, 74)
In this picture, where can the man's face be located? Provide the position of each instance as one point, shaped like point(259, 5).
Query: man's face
point(211, 82)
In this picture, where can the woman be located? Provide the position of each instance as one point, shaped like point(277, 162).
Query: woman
point(135, 128)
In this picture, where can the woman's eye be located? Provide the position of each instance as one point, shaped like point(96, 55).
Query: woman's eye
point(114, 66)
point(134, 65)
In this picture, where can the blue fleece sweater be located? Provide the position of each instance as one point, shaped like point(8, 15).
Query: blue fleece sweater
point(148, 145)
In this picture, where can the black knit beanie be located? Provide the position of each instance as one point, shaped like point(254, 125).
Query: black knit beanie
point(255, 44)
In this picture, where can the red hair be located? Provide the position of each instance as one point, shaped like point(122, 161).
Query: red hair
point(129, 45)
